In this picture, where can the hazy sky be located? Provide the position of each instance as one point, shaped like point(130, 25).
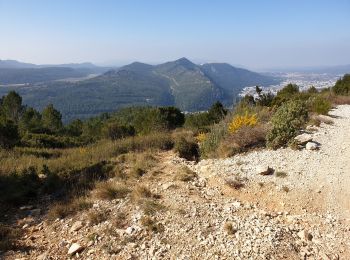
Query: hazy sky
point(255, 34)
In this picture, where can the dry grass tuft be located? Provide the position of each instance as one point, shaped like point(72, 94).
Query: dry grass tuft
point(236, 183)
point(8, 237)
point(120, 220)
point(281, 174)
point(285, 189)
point(242, 140)
point(141, 192)
point(150, 207)
point(62, 210)
point(185, 174)
point(111, 190)
point(229, 228)
point(151, 225)
point(96, 217)
point(339, 100)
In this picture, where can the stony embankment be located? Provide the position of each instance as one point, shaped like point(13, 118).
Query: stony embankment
point(283, 204)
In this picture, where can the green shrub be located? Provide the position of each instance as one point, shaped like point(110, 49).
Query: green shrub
point(217, 112)
point(265, 99)
point(172, 116)
point(159, 141)
point(74, 128)
point(188, 150)
point(286, 122)
point(51, 141)
point(116, 131)
point(285, 94)
point(201, 121)
point(209, 146)
point(8, 134)
point(312, 90)
point(319, 105)
point(145, 120)
point(288, 90)
point(342, 86)
point(198, 122)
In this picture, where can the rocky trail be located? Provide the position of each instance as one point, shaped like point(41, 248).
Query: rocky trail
point(226, 210)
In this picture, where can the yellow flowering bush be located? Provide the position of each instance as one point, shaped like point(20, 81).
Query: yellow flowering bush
point(82, 150)
point(240, 121)
point(201, 137)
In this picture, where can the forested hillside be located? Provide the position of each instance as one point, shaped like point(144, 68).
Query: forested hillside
point(180, 83)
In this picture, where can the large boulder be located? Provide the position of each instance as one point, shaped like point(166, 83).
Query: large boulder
point(75, 248)
point(303, 139)
point(311, 146)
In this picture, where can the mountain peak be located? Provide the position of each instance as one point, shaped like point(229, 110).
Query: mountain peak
point(184, 61)
point(138, 67)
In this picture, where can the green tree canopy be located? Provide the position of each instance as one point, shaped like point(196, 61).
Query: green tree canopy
point(342, 86)
point(8, 134)
point(217, 112)
point(172, 116)
point(75, 128)
point(51, 119)
point(30, 121)
point(11, 106)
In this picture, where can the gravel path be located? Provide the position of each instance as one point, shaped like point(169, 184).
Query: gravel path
point(325, 172)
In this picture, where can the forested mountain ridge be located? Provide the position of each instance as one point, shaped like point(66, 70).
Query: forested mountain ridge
point(179, 83)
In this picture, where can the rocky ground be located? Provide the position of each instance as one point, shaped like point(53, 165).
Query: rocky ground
point(284, 204)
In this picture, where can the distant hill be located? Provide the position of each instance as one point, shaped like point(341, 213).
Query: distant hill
point(191, 88)
point(13, 64)
point(180, 83)
point(36, 75)
point(15, 72)
point(232, 79)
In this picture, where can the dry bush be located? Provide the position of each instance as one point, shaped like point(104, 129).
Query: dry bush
point(285, 189)
point(181, 132)
point(64, 209)
point(111, 190)
point(9, 237)
point(185, 174)
point(120, 220)
point(244, 139)
point(151, 225)
point(141, 192)
point(281, 174)
point(339, 100)
point(150, 207)
point(187, 149)
point(314, 120)
point(119, 173)
point(154, 141)
point(141, 163)
point(236, 183)
point(229, 228)
point(96, 217)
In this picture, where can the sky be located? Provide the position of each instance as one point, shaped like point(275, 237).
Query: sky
point(251, 33)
